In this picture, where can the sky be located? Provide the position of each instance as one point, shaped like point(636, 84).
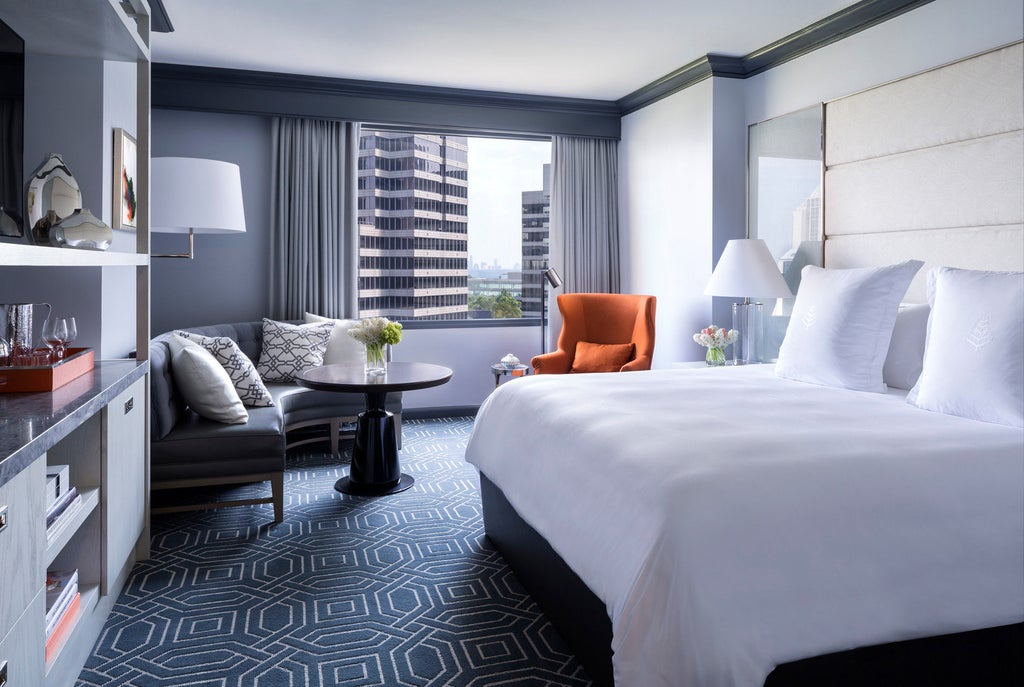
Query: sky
point(499, 171)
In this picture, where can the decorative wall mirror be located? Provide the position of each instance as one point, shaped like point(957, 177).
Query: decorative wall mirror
point(784, 189)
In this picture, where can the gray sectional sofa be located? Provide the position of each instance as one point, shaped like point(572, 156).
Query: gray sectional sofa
point(190, 451)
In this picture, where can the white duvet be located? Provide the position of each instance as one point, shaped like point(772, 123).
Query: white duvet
point(732, 521)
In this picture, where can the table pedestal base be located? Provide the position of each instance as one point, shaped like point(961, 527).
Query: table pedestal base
point(346, 486)
point(375, 469)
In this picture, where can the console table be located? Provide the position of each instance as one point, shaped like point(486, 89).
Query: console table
point(375, 469)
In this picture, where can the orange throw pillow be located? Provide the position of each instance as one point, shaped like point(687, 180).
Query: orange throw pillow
point(592, 357)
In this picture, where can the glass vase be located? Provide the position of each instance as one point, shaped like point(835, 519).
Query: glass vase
point(376, 360)
point(715, 356)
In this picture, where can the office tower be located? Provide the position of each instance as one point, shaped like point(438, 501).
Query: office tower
point(536, 223)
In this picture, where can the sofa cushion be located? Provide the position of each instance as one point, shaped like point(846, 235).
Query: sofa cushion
point(239, 367)
point(204, 384)
point(289, 349)
point(198, 447)
point(342, 349)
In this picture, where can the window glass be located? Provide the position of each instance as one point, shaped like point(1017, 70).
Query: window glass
point(451, 227)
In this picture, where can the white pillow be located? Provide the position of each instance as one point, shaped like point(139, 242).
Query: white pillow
point(842, 320)
point(291, 348)
point(974, 358)
point(204, 384)
point(342, 349)
point(240, 369)
point(905, 358)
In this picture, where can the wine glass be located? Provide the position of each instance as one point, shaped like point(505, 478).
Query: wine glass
point(72, 334)
point(55, 331)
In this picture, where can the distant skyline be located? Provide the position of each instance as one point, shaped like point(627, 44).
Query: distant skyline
point(499, 171)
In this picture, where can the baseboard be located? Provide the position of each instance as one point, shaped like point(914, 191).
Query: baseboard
point(439, 411)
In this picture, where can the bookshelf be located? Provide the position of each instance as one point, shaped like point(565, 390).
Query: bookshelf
point(97, 424)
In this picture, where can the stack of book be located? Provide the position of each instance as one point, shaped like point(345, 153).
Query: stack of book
point(62, 603)
point(62, 499)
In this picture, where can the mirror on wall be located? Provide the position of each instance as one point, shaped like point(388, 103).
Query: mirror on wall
point(784, 189)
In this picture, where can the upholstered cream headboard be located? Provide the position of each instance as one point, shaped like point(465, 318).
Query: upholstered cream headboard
point(930, 167)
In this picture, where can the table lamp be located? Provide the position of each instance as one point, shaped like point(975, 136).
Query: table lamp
point(195, 196)
point(747, 269)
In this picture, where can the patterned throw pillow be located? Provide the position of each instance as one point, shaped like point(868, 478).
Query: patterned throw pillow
point(240, 369)
point(291, 348)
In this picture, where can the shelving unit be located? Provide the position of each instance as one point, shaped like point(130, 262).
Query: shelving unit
point(100, 430)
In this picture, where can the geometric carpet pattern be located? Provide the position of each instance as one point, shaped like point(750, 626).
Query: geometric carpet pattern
point(347, 591)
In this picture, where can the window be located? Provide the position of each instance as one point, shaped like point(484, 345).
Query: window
point(451, 227)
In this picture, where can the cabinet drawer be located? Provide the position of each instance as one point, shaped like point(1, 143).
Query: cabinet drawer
point(124, 477)
point(23, 501)
point(22, 650)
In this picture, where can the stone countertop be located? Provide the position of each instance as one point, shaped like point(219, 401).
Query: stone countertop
point(32, 423)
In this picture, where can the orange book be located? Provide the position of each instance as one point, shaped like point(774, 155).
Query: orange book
point(63, 627)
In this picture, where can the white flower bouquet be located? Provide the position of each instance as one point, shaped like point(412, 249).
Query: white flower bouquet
point(376, 333)
point(715, 339)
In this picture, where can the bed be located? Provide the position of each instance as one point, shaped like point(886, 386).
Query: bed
point(750, 538)
point(737, 527)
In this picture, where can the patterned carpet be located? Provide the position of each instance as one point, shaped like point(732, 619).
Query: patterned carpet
point(398, 590)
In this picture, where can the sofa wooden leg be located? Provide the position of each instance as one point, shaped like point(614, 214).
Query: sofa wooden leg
point(335, 428)
point(277, 493)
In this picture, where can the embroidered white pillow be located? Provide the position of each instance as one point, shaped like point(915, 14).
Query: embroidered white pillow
point(342, 349)
point(291, 348)
point(974, 358)
point(204, 384)
point(905, 358)
point(240, 369)
point(841, 324)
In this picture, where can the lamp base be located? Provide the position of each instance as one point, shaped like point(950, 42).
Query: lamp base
point(747, 319)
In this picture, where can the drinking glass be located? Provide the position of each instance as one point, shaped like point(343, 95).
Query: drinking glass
point(72, 333)
point(55, 331)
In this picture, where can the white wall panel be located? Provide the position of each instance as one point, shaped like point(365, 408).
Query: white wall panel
point(988, 248)
point(972, 183)
point(970, 99)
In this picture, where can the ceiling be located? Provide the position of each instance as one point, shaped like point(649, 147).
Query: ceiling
point(601, 49)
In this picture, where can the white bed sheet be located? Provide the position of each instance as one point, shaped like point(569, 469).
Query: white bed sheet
point(733, 521)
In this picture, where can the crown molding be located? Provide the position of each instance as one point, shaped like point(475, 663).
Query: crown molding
point(832, 28)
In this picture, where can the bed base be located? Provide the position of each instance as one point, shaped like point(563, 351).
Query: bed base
point(990, 657)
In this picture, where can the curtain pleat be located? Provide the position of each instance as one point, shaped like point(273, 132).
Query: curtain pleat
point(585, 213)
point(315, 242)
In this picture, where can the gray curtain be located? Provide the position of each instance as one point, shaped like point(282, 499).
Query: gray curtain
point(314, 230)
point(585, 213)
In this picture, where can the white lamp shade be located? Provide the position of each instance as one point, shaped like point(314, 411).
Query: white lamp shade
point(202, 195)
point(747, 269)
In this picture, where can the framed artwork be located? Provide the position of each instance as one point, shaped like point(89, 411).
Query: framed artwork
point(125, 166)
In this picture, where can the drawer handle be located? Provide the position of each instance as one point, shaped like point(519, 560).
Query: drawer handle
point(3, 526)
point(128, 405)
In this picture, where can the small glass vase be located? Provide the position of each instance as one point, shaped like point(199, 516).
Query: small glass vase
point(715, 356)
point(376, 360)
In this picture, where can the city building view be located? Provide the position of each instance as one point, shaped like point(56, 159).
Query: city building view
point(414, 230)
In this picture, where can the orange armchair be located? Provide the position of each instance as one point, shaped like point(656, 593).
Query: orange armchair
point(601, 318)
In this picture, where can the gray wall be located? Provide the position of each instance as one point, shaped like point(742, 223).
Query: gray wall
point(227, 280)
point(683, 170)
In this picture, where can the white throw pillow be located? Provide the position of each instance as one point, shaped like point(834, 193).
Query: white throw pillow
point(342, 349)
point(905, 358)
point(204, 384)
point(841, 324)
point(291, 348)
point(974, 358)
point(240, 369)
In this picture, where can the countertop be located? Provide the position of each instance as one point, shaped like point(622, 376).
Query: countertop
point(32, 423)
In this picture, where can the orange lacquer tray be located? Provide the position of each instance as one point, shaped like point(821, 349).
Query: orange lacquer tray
point(47, 377)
